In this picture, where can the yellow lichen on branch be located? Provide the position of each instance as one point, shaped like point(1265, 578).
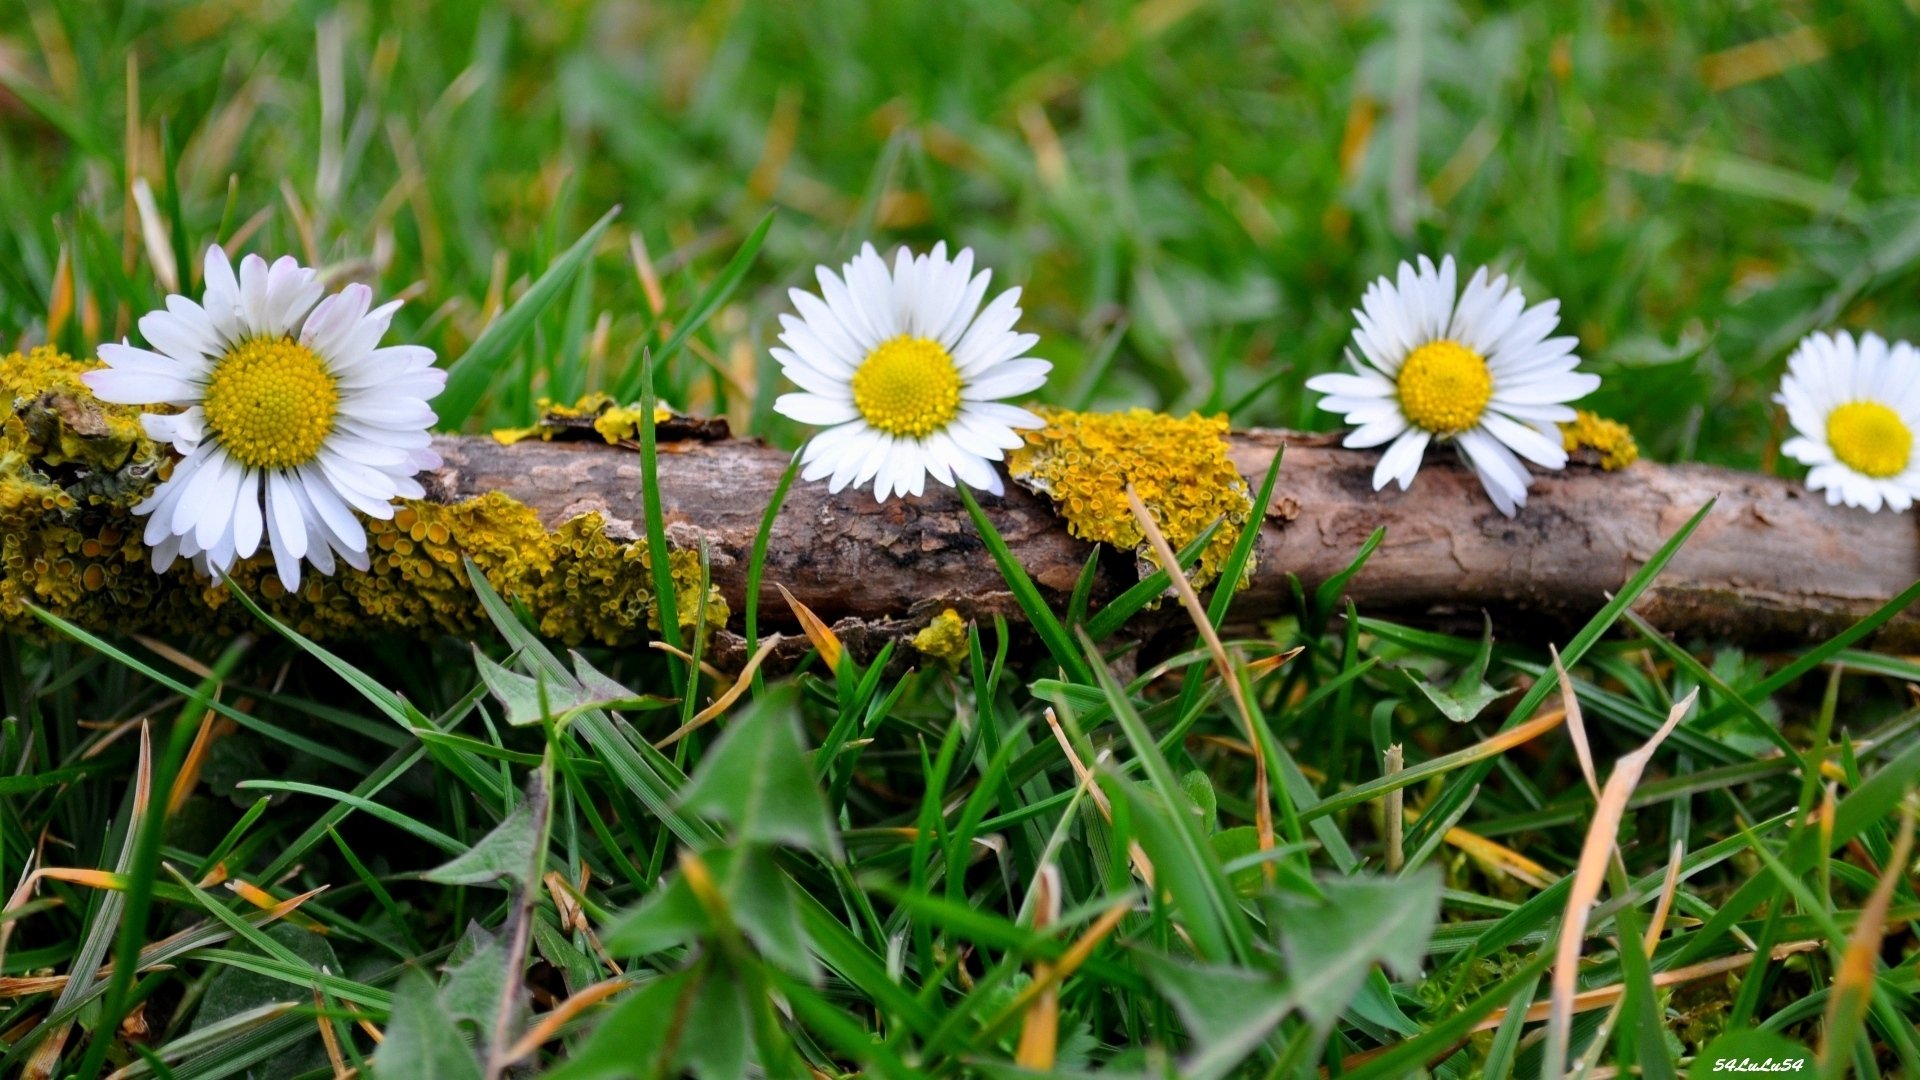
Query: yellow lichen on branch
point(1179, 467)
point(71, 469)
point(1612, 439)
point(614, 422)
point(944, 638)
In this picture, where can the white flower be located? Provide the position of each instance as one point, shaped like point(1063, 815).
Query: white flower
point(1855, 409)
point(904, 376)
point(292, 417)
point(1482, 373)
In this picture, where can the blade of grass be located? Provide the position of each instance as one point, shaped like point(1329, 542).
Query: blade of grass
point(1039, 615)
point(469, 376)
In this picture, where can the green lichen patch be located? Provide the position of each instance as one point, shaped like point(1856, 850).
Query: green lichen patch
point(1179, 467)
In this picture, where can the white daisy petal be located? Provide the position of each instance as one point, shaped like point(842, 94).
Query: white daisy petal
point(1008, 380)
point(994, 322)
point(122, 387)
point(207, 507)
point(177, 337)
point(181, 429)
point(965, 310)
point(1525, 441)
point(222, 299)
point(253, 294)
point(815, 409)
point(1375, 433)
point(1401, 460)
point(247, 519)
point(1359, 386)
point(839, 342)
point(1504, 478)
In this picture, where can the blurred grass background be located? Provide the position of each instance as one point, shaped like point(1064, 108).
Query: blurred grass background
point(1193, 194)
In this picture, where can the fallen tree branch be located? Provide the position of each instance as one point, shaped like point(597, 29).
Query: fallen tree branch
point(1773, 564)
point(555, 526)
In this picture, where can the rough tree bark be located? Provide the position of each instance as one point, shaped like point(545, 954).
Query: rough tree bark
point(1772, 564)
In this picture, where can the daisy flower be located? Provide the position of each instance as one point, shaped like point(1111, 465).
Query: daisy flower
point(291, 418)
point(1854, 409)
point(905, 371)
point(1480, 373)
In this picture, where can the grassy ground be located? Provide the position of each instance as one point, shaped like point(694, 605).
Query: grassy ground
point(1193, 195)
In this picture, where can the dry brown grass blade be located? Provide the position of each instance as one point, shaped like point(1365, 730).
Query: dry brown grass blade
point(1752, 61)
point(328, 1039)
point(1500, 857)
point(60, 303)
point(174, 656)
point(1588, 875)
point(212, 726)
point(15, 987)
point(1396, 808)
point(1142, 865)
point(46, 1056)
point(262, 899)
point(83, 877)
point(556, 1018)
point(649, 275)
point(823, 638)
point(1040, 1028)
point(1190, 600)
point(114, 733)
point(706, 668)
point(1853, 978)
point(1070, 960)
point(720, 704)
point(1601, 997)
point(1669, 888)
point(1576, 724)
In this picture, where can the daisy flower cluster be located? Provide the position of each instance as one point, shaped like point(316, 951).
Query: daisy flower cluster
point(290, 418)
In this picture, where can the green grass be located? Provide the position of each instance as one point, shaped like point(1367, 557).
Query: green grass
point(1193, 196)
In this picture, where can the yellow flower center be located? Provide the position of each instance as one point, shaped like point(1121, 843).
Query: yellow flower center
point(908, 386)
point(1444, 387)
point(1870, 438)
point(271, 403)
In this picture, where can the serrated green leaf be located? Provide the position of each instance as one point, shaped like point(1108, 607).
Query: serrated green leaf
point(1331, 946)
point(521, 695)
point(757, 895)
point(1469, 695)
point(422, 1042)
point(1206, 804)
point(757, 779)
point(476, 976)
point(1238, 843)
point(1228, 1011)
point(670, 916)
point(634, 1039)
point(530, 699)
point(512, 850)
